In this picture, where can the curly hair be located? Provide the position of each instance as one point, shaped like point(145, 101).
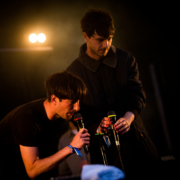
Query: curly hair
point(64, 85)
point(99, 21)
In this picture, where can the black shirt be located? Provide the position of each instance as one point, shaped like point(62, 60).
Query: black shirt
point(26, 125)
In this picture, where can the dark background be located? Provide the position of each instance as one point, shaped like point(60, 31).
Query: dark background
point(146, 29)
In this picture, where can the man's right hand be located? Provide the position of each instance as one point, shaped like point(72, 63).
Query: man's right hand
point(36, 166)
point(81, 138)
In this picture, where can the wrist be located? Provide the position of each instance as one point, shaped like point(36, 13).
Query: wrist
point(129, 115)
point(75, 150)
point(72, 148)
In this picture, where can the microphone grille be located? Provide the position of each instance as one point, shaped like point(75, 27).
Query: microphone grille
point(111, 113)
point(77, 116)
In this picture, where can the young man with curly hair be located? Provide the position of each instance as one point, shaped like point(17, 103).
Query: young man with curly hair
point(112, 79)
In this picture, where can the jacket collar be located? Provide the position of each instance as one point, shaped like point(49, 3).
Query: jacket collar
point(110, 59)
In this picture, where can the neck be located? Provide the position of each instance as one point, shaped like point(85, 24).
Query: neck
point(92, 55)
point(49, 110)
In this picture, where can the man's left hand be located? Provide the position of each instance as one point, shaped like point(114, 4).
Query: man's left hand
point(123, 124)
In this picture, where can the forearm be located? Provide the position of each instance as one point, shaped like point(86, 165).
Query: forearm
point(40, 166)
point(123, 124)
point(35, 166)
point(130, 116)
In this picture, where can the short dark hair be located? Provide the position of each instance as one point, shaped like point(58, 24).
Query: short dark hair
point(99, 21)
point(64, 85)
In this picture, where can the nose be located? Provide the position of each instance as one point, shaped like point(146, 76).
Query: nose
point(105, 43)
point(76, 106)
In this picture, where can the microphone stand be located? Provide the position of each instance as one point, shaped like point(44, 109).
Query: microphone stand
point(102, 149)
point(116, 137)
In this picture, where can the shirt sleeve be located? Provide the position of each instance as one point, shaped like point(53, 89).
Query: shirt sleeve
point(25, 130)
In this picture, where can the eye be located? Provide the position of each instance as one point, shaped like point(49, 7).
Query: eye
point(73, 101)
point(100, 40)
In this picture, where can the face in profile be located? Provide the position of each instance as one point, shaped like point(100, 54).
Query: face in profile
point(66, 108)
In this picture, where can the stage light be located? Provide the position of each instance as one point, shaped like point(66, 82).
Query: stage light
point(41, 37)
point(33, 38)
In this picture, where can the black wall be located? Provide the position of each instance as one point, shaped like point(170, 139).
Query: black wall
point(148, 30)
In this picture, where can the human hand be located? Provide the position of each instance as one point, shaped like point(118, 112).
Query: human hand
point(102, 128)
point(123, 124)
point(81, 138)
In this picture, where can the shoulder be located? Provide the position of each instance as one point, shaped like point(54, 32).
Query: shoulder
point(76, 67)
point(125, 58)
point(74, 64)
point(31, 109)
point(28, 115)
point(124, 54)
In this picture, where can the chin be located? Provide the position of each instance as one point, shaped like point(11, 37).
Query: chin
point(101, 55)
point(68, 118)
point(105, 53)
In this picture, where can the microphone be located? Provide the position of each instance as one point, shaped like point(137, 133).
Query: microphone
point(112, 116)
point(79, 120)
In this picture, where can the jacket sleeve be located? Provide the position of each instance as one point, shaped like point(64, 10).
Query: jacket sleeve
point(135, 95)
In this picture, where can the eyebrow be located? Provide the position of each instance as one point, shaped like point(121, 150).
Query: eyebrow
point(102, 38)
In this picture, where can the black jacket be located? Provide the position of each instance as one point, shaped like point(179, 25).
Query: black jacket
point(113, 84)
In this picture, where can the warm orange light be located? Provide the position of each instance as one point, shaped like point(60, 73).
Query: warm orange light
point(33, 38)
point(41, 37)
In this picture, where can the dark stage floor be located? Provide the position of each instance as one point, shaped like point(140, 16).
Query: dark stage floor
point(168, 169)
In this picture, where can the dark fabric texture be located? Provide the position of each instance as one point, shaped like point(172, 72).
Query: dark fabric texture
point(113, 84)
point(26, 125)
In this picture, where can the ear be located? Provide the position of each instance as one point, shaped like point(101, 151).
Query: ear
point(85, 36)
point(54, 99)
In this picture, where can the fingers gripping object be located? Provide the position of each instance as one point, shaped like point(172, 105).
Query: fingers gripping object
point(79, 120)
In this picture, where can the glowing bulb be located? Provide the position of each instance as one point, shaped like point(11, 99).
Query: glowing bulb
point(33, 38)
point(41, 37)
